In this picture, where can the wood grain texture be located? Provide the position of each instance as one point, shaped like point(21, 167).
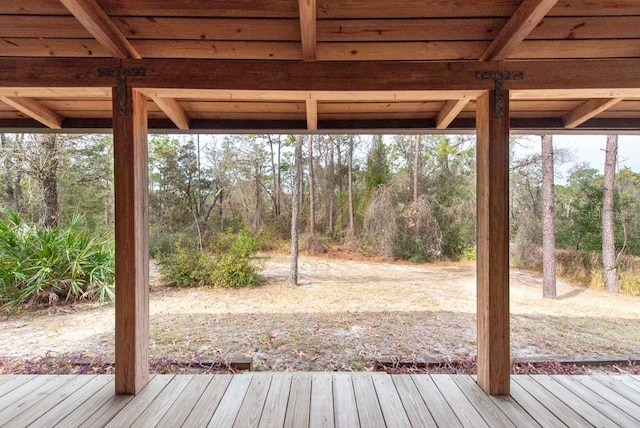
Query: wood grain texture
point(492, 199)
point(588, 110)
point(312, 114)
point(227, 411)
point(208, 401)
point(132, 241)
point(250, 412)
point(99, 25)
point(70, 404)
point(449, 112)
point(321, 413)
point(275, 406)
point(35, 110)
point(174, 111)
point(522, 22)
point(344, 401)
point(299, 405)
point(308, 34)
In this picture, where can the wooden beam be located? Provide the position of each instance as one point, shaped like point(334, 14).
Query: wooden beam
point(449, 112)
point(338, 77)
point(308, 29)
point(312, 115)
point(588, 110)
point(522, 22)
point(492, 199)
point(132, 241)
point(173, 110)
point(100, 26)
point(35, 110)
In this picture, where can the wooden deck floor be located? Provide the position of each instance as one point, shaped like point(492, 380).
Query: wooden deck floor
point(319, 400)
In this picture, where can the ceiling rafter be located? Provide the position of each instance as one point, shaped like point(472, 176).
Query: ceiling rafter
point(588, 110)
point(522, 22)
point(312, 114)
point(308, 33)
point(173, 110)
point(449, 112)
point(99, 25)
point(35, 110)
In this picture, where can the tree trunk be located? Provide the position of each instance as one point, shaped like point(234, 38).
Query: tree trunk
point(12, 172)
point(548, 221)
point(48, 174)
point(332, 188)
point(312, 198)
point(276, 190)
point(608, 237)
point(295, 207)
point(416, 168)
point(351, 231)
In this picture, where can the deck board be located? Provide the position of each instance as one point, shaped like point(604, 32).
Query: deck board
point(71, 403)
point(414, 405)
point(460, 404)
point(344, 401)
point(57, 393)
point(253, 403)
point(489, 409)
point(593, 416)
point(156, 410)
point(440, 410)
point(595, 401)
point(208, 402)
point(275, 406)
point(88, 408)
point(367, 401)
point(319, 400)
point(321, 412)
point(181, 407)
point(32, 396)
point(546, 398)
point(227, 411)
point(616, 399)
point(392, 408)
point(299, 406)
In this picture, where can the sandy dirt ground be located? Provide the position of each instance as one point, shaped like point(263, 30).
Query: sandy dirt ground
point(344, 314)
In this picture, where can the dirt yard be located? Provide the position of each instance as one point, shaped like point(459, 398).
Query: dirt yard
point(344, 314)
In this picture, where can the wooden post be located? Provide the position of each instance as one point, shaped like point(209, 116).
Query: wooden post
point(492, 124)
point(132, 240)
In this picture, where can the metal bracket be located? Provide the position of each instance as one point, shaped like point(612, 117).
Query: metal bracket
point(499, 78)
point(121, 75)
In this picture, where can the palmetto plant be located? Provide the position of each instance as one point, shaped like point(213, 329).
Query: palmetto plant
point(48, 264)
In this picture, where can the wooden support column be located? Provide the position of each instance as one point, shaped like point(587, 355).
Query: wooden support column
point(132, 240)
point(492, 123)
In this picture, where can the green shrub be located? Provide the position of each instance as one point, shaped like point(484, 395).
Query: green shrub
point(42, 265)
point(229, 266)
point(187, 267)
point(233, 271)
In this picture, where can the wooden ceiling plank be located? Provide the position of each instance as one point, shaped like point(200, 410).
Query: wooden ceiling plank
point(35, 110)
point(174, 111)
point(98, 23)
point(308, 34)
point(449, 112)
point(312, 114)
point(522, 22)
point(588, 110)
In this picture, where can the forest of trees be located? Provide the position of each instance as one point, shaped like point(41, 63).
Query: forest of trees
point(401, 197)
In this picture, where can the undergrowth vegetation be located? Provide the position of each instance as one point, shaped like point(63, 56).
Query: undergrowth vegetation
point(43, 265)
point(226, 262)
point(584, 267)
